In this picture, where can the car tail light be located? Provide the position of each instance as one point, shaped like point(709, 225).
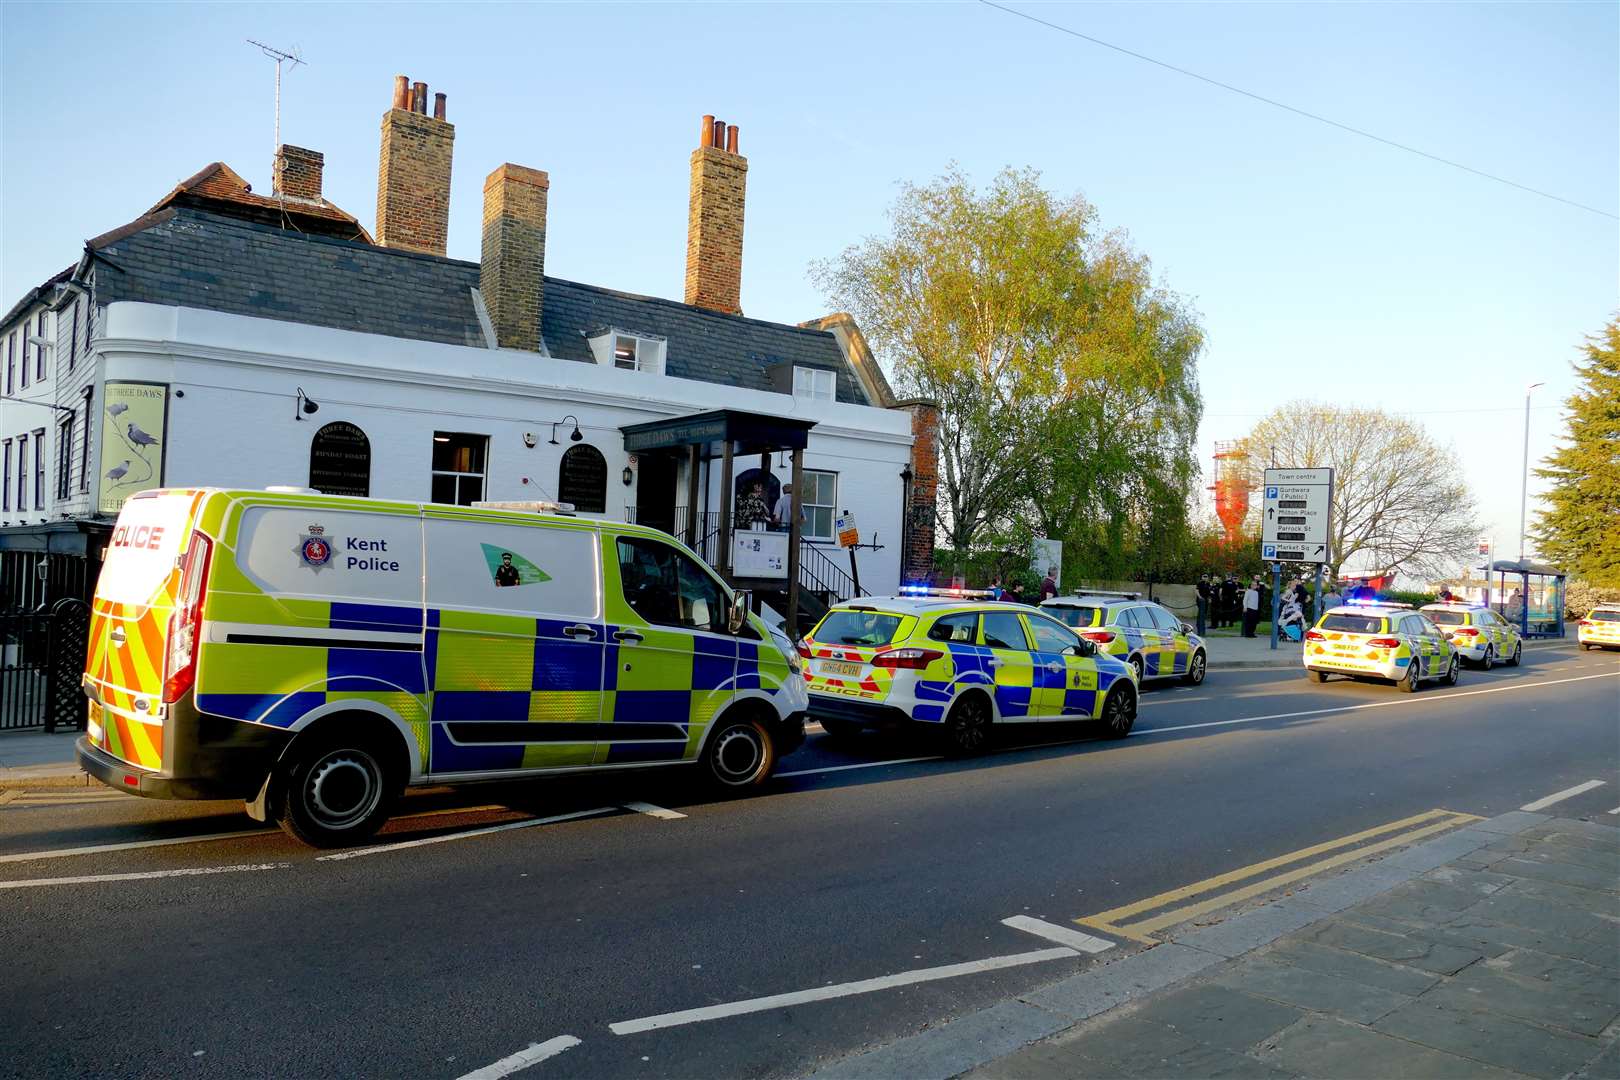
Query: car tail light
point(1384, 643)
point(1467, 631)
point(185, 624)
point(1586, 622)
point(1315, 635)
point(804, 650)
point(911, 659)
point(1101, 637)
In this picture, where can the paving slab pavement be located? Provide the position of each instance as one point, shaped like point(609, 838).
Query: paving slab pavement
point(1497, 956)
point(39, 759)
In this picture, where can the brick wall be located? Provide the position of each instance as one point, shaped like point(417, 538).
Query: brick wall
point(413, 182)
point(714, 230)
point(511, 274)
point(297, 173)
point(917, 558)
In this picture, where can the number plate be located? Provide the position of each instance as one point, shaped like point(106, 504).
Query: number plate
point(833, 667)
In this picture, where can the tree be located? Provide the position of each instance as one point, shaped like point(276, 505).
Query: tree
point(1579, 532)
point(1066, 379)
point(1398, 501)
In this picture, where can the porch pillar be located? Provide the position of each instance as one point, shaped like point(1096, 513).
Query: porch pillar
point(693, 533)
point(726, 494)
point(795, 533)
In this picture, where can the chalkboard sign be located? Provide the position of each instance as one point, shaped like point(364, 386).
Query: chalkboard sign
point(340, 460)
point(582, 479)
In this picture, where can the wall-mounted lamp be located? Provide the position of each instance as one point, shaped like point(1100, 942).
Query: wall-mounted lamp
point(573, 436)
point(629, 476)
point(303, 405)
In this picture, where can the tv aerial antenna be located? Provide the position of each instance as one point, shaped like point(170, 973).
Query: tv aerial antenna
point(294, 58)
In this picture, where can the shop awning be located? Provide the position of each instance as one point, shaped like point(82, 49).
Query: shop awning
point(753, 433)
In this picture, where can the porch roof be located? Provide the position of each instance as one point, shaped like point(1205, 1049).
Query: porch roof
point(755, 433)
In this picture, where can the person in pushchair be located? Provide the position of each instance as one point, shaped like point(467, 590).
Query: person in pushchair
point(1291, 619)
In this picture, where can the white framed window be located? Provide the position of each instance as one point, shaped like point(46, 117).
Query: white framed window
point(818, 384)
point(460, 463)
point(627, 350)
point(820, 502)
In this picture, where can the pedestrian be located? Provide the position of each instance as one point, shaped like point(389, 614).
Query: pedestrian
point(1049, 583)
point(1203, 601)
point(1229, 600)
point(1291, 620)
point(995, 590)
point(1251, 608)
point(1010, 594)
point(751, 507)
point(782, 512)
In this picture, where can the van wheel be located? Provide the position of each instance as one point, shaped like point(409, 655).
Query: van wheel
point(967, 727)
point(1118, 713)
point(739, 754)
point(337, 793)
point(1195, 669)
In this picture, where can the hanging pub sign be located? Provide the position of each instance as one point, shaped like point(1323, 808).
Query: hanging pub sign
point(340, 460)
point(134, 436)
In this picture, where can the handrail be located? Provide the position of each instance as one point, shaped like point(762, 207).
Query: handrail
point(821, 574)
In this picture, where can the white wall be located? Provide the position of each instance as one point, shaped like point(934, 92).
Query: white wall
point(231, 412)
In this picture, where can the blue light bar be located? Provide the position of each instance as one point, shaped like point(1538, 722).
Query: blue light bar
point(953, 594)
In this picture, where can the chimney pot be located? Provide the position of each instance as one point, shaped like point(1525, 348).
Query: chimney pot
point(719, 138)
point(419, 98)
point(706, 132)
point(731, 139)
point(438, 106)
point(402, 92)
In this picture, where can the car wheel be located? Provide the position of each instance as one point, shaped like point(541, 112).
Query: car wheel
point(1118, 713)
point(839, 730)
point(1490, 658)
point(1136, 662)
point(336, 793)
point(1518, 654)
point(1195, 669)
point(1585, 646)
point(1451, 672)
point(1409, 682)
point(1321, 676)
point(967, 727)
point(739, 754)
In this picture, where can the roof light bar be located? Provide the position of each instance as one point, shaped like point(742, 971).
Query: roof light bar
point(933, 590)
point(1083, 593)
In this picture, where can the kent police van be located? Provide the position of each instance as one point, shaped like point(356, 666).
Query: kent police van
point(312, 655)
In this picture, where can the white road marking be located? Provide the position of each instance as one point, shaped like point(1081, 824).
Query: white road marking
point(1560, 796)
point(826, 993)
point(861, 765)
point(654, 811)
point(93, 879)
point(1063, 935)
point(528, 823)
point(1616, 810)
point(534, 1055)
point(96, 849)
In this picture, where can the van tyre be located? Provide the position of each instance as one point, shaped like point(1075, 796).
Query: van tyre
point(1196, 668)
point(967, 726)
point(1118, 713)
point(739, 754)
point(337, 792)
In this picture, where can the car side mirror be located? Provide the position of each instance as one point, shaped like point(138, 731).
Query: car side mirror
point(737, 617)
point(1081, 648)
point(1186, 629)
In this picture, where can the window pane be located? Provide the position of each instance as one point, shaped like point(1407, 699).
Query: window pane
point(444, 489)
point(470, 491)
point(1002, 630)
point(819, 520)
point(827, 488)
point(956, 629)
point(1050, 637)
point(664, 586)
point(865, 628)
point(459, 452)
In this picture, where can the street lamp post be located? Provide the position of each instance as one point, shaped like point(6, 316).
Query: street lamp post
point(1524, 486)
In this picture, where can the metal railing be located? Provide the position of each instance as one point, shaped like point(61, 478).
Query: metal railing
point(41, 662)
point(820, 574)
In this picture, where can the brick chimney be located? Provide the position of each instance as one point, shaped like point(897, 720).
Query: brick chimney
point(511, 273)
point(413, 172)
point(297, 173)
point(714, 221)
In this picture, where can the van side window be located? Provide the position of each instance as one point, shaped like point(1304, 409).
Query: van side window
point(955, 629)
point(668, 587)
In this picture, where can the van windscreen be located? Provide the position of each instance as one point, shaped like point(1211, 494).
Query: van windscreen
point(149, 537)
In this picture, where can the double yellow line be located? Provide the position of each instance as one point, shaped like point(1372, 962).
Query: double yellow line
point(1129, 921)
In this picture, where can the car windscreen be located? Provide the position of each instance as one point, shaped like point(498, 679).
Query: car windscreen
point(857, 628)
point(1073, 616)
point(1604, 616)
point(1354, 624)
point(1448, 618)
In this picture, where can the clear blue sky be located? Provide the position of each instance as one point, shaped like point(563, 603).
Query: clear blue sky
point(1324, 265)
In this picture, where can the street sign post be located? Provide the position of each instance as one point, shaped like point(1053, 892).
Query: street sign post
point(1296, 525)
point(849, 537)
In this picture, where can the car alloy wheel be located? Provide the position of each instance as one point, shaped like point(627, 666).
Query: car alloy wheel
point(1410, 682)
point(967, 728)
point(1195, 668)
point(1451, 672)
point(1518, 654)
point(1490, 658)
point(1136, 662)
point(1118, 715)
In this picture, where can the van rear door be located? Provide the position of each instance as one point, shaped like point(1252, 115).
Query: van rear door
point(154, 565)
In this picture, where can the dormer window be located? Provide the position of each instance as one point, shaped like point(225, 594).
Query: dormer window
point(818, 384)
point(627, 350)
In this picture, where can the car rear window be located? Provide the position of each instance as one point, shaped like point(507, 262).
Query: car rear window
point(857, 628)
point(1448, 618)
point(1073, 616)
point(1604, 616)
point(1354, 624)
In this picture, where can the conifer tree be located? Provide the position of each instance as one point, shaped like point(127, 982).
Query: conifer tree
point(1579, 531)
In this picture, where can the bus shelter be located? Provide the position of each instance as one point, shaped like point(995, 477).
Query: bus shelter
point(1528, 594)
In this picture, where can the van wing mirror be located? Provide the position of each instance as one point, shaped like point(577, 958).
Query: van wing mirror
point(737, 618)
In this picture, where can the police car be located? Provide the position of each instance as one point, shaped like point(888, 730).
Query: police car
point(1143, 634)
point(1380, 640)
point(958, 665)
point(1601, 628)
point(1480, 636)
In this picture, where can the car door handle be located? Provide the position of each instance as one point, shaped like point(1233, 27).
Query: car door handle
point(579, 630)
point(993, 662)
point(1053, 665)
point(626, 635)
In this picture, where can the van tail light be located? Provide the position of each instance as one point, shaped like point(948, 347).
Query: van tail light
point(1101, 637)
point(185, 624)
point(1467, 631)
point(1315, 635)
point(910, 659)
point(1384, 643)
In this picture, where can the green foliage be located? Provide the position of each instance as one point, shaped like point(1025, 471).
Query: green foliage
point(1066, 377)
point(1581, 597)
point(1408, 596)
point(1579, 532)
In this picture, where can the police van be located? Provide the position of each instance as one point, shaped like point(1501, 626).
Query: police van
point(313, 655)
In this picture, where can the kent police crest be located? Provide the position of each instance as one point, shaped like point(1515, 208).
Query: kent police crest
point(314, 549)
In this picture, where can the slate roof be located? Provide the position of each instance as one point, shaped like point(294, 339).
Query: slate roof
point(187, 256)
